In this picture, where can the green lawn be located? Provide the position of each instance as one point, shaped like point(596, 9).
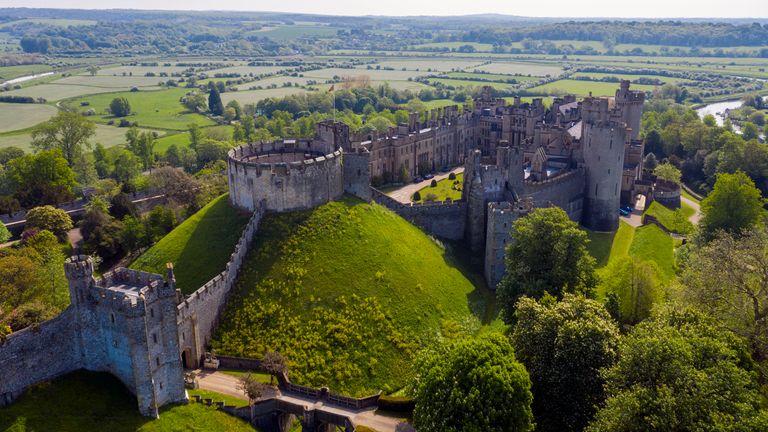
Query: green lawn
point(11, 72)
point(156, 109)
point(348, 293)
point(608, 247)
point(218, 397)
point(91, 401)
point(673, 220)
point(444, 189)
point(489, 76)
point(199, 248)
point(583, 88)
point(653, 244)
point(14, 116)
point(467, 83)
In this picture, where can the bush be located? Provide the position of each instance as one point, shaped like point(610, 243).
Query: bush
point(397, 404)
point(50, 218)
point(452, 176)
point(417, 196)
point(120, 107)
point(433, 183)
point(430, 197)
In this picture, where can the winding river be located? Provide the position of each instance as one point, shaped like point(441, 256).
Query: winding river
point(717, 109)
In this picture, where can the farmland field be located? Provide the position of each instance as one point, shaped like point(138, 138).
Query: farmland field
point(50, 21)
point(632, 77)
point(159, 109)
point(55, 92)
point(253, 96)
point(373, 74)
point(583, 88)
point(480, 47)
point(139, 71)
point(113, 82)
point(467, 83)
point(290, 32)
point(21, 116)
point(11, 72)
point(535, 69)
point(424, 64)
point(490, 76)
point(246, 70)
point(108, 136)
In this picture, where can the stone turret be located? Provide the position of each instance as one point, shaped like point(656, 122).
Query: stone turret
point(631, 105)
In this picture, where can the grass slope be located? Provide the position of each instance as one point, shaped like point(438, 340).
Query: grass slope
point(199, 248)
point(90, 401)
point(673, 220)
point(653, 244)
point(608, 247)
point(348, 292)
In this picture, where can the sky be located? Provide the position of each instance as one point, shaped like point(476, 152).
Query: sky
point(546, 8)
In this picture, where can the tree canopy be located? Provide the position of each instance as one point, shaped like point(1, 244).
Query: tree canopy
point(548, 253)
point(735, 204)
point(679, 370)
point(472, 385)
point(120, 107)
point(67, 131)
point(563, 345)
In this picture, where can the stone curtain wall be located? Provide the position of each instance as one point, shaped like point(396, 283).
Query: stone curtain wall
point(38, 353)
point(444, 219)
point(199, 313)
point(565, 191)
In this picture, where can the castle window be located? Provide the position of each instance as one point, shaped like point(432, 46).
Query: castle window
point(157, 361)
point(112, 317)
point(152, 312)
point(154, 337)
point(161, 386)
point(182, 336)
point(596, 189)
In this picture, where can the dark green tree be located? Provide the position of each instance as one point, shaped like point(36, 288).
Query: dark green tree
point(472, 385)
point(120, 107)
point(563, 345)
point(548, 254)
point(67, 131)
point(215, 105)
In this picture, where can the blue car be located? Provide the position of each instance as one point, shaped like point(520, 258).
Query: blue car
point(623, 212)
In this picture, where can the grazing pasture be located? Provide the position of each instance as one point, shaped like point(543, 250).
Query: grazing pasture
point(53, 92)
point(11, 72)
point(582, 88)
point(15, 116)
point(534, 69)
point(426, 64)
point(253, 96)
point(108, 136)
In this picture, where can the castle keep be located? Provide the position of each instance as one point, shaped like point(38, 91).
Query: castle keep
point(582, 156)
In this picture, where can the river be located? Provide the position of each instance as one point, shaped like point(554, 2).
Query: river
point(25, 78)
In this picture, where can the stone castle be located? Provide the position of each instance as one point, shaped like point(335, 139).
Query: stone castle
point(584, 157)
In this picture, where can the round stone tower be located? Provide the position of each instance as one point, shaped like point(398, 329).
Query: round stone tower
point(79, 272)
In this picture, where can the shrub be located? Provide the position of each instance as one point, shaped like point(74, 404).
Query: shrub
point(50, 218)
point(120, 107)
point(397, 403)
point(452, 176)
point(417, 196)
point(430, 197)
point(433, 183)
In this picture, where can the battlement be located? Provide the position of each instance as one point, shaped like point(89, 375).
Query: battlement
point(564, 176)
point(78, 267)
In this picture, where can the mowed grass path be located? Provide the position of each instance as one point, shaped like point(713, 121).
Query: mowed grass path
point(199, 248)
point(91, 401)
point(348, 292)
point(156, 109)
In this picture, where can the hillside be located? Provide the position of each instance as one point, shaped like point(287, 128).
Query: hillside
point(348, 292)
point(199, 247)
point(90, 401)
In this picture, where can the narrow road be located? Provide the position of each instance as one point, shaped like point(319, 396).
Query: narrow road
point(404, 194)
point(227, 384)
point(696, 217)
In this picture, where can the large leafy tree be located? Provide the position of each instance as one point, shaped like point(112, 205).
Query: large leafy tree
point(42, 178)
point(142, 144)
point(472, 385)
point(120, 107)
point(548, 253)
point(680, 371)
point(728, 277)
point(67, 131)
point(215, 105)
point(50, 218)
point(735, 204)
point(563, 345)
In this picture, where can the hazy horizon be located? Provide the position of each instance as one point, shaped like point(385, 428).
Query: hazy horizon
point(736, 9)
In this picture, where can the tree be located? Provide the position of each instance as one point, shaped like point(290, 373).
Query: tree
point(563, 345)
point(735, 204)
point(160, 222)
point(252, 387)
point(668, 172)
point(274, 363)
point(50, 218)
point(127, 166)
point(680, 371)
point(195, 101)
point(5, 235)
point(67, 131)
point(195, 135)
point(176, 184)
point(749, 131)
point(134, 234)
point(214, 102)
point(548, 254)
point(120, 107)
point(122, 206)
point(142, 144)
point(9, 153)
point(636, 286)
point(210, 150)
point(728, 278)
point(42, 178)
point(473, 384)
point(19, 279)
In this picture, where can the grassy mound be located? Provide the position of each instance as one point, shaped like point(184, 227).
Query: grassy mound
point(347, 292)
point(653, 244)
point(199, 248)
point(90, 401)
point(673, 220)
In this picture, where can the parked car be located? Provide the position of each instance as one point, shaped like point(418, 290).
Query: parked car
point(445, 169)
point(428, 176)
point(418, 179)
point(624, 212)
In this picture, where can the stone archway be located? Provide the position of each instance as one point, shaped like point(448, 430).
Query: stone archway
point(187, 361)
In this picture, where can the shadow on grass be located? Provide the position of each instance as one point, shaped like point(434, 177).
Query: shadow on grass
point(481, 301)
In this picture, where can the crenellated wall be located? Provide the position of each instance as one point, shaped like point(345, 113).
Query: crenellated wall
point(444, 219)
point(565, 191)
point(198, 314)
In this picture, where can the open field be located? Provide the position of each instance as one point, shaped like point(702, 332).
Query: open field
point(199, 248)
point(467, 83)
point(247, 70)
point(139, 71)
point(11, 72)
point(55, 92)
point(253, 96)
point(50, 21)
point(15, 116)
point(535, 69)
point(108, 136)
point(632, 77)
point(355, 280)
point(425, 64)
point(608, 247)
point(583, 88)
point(287, 32)
point(492, 77)
point(158, 109)
point(113, 82)
point(92, 401)
point(373, 74)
